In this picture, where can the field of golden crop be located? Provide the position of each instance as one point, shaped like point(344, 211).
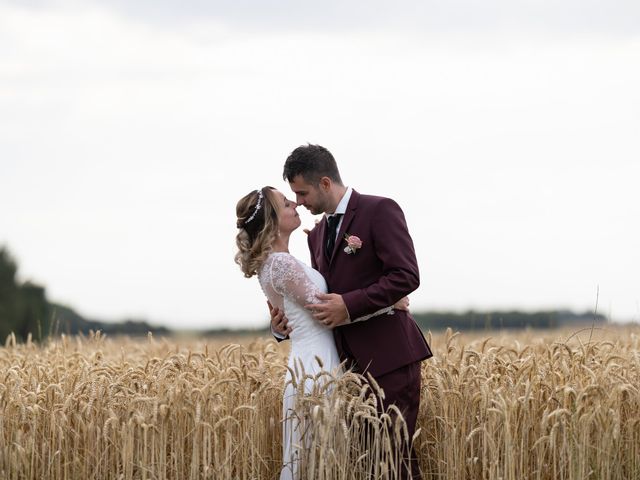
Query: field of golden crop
point(521, 405)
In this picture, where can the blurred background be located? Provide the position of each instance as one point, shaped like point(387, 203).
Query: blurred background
point(507, 130)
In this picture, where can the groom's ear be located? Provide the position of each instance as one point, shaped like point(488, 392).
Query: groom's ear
point(325, 184)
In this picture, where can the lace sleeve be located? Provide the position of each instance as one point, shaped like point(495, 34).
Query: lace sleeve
point(289, 279)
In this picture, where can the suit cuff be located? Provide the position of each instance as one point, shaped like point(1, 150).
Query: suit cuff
point(357, 303)
point(278, 336)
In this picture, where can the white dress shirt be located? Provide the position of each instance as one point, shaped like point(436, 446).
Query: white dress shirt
point(342, 208)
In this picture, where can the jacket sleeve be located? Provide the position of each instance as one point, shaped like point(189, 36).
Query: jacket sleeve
point(394, 248)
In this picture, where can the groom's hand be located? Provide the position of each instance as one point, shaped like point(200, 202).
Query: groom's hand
point(278, 321)
point(332, 312)
point(402, 304)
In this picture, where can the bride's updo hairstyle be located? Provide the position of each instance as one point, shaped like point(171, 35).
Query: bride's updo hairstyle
point(257, 229)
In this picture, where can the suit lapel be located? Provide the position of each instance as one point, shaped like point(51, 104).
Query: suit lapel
point(346, 221)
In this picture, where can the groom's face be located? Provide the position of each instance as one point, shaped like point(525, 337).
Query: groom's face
point(312, 197)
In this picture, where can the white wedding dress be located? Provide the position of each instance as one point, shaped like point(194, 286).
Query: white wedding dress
point(289, 284)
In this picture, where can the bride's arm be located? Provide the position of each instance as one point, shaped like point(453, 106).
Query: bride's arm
point(289, 279)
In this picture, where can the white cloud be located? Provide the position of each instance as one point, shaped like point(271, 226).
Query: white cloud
point(126, 145)
point(614, 17)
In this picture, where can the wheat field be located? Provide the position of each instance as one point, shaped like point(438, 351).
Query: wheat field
point(519, 405)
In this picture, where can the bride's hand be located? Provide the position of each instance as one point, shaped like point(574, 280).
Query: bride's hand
point(402, 304)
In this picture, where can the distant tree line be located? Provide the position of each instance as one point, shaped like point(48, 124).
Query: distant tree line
point(68, 321)
point(491, 320)
point(24, 310)
point(470, 320)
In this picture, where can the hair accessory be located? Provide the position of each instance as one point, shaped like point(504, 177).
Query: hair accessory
point(258, 207)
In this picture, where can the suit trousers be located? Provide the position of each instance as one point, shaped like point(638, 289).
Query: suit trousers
point(402, 388)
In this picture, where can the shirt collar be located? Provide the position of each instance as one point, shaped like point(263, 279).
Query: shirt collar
point(342, 206)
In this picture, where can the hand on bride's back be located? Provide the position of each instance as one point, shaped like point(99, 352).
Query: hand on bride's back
point(279, 322)
point(402, 304)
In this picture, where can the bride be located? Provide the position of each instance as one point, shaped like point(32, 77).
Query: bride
point(265, 221)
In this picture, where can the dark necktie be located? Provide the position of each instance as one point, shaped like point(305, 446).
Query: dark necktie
point(332, 224)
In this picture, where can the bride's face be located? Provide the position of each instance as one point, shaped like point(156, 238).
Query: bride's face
point(288, 218)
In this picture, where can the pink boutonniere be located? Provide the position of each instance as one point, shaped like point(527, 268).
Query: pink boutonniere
point(353, 244)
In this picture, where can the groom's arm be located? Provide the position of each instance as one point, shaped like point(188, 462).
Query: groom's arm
point(394, 247)
point(279, 323)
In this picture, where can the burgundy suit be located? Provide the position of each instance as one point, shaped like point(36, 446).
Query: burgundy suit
point(376, 276)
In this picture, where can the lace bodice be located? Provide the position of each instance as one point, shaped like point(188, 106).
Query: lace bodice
point(289, 284)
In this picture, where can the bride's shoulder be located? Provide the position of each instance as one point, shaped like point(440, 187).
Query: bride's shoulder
point(280, 257)
point(282, 265)
point(284, 260)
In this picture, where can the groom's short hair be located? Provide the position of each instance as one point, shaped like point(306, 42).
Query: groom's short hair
point(312, 162)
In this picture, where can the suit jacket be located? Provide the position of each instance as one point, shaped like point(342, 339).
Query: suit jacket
point(376, 276)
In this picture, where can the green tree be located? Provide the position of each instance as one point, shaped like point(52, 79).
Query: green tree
point(8, 293)
point(23, 308)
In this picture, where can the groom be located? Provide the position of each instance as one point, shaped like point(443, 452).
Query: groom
point(364, 251)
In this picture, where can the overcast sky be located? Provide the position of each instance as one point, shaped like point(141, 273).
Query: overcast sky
point(508, 131)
